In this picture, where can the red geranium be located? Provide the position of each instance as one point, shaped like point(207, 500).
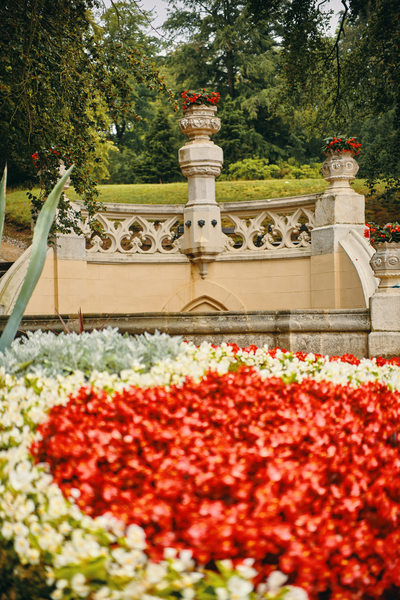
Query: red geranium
point(341, 144)
point(201, 97)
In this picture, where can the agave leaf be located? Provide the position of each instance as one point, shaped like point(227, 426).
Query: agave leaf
point(3, 183)
point(37, 260)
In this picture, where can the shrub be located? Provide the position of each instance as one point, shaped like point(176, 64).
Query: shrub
point(259, 168)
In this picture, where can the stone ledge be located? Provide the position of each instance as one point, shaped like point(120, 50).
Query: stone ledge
point(321, 331)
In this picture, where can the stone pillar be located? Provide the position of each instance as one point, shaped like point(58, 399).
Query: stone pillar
point(201, 162)
point(338, 211)
point(384, 339)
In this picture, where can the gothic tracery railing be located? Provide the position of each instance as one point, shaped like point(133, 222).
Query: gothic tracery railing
point(260, 225)
point(257, 227)
point(130, 229)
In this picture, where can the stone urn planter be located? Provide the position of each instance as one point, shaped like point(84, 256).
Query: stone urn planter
point(339, 169)
point(386, 266)
point(199, 122)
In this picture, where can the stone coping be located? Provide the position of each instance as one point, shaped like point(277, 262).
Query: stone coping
point(226, 322)
point(119, 208)
point(332, 332)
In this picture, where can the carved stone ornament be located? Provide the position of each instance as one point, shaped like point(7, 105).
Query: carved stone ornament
point(386, 265)
point(204, 170)
point(339, 169)
point(200, 122)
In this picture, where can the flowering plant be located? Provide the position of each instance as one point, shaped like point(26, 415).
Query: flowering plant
point(120, 486)
point(45, 156)
point(382, 233)
point(341, 144)
point(199, 97)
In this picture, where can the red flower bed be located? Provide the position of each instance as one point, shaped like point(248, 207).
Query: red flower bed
point(302, 476)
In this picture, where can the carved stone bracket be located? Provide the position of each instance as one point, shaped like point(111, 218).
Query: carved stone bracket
point(202, 171)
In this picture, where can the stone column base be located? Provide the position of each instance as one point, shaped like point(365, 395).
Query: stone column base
point(385, 311)
point(384, 343)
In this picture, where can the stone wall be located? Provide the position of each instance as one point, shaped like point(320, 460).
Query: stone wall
point(330, 332)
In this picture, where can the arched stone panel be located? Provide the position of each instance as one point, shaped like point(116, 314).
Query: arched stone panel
point(203, 295)
point(204, 304)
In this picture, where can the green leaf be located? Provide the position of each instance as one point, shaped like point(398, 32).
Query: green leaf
point(37, 260)
point(3, 201)
point(93, 570)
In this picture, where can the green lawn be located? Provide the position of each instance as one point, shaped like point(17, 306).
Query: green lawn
point(17, 208)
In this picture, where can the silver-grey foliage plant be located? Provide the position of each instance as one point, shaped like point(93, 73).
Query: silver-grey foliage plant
point(46, 353)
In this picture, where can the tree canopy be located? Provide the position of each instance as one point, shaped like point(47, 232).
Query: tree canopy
point(62, 85)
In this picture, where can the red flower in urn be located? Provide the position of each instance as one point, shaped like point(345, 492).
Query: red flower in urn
point(341, 144)
point(199, 97)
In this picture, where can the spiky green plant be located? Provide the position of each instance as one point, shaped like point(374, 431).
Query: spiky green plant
point(37, 259)
point(3, 201)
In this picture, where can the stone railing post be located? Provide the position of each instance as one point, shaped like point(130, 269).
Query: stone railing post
point(384, 339)
point(339, 223)
point(201, 162)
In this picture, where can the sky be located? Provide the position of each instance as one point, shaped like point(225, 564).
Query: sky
point(160, 10)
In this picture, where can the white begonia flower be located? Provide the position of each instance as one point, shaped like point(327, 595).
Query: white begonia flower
point(21, 546)
point(57, 594)
point(20, 529)
point(186, 558)
point(275, 581)
point(64, 528)
point(57, 507)
point(33, 556)
point(295, 593)
point(155, 572)
point(246, 570)
point(239, 589)
point(135, 537)
point(170, 553)
point(134, 589)
point(21, 477)
point(78, 585)
point(222, 593)
point(7, 530)
point(184, 562)
point(188, 593)
point(102, 594)
point(226, 563)
point(195, 576)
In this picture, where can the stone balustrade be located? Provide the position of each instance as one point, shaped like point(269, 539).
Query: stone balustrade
point(257, 228)
point(130, 232)
point(264, 227)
